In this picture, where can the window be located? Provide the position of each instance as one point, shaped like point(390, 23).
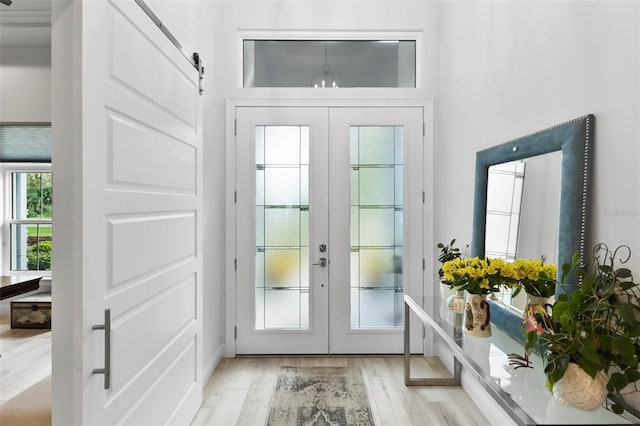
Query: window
point(329, 63)
point(28, 222)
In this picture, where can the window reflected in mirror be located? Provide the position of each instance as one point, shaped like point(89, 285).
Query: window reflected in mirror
point(523, 209)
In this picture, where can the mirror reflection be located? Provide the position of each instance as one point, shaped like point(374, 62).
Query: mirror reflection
point(523, 210)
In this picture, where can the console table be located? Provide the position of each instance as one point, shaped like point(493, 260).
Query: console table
point(13, 285)
point(521, 393)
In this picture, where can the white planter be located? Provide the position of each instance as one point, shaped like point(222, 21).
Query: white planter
point(446, 291)
point(577, 389)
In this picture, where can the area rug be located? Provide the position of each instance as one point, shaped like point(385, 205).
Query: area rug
point(319, 396)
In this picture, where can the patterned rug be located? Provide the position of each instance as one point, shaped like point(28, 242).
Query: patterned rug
point(320, 396)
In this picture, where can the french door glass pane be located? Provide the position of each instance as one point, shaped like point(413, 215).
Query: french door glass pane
point(282, 227)
point(376, 226)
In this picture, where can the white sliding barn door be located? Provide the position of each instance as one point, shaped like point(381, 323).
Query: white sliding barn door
point(138, 142)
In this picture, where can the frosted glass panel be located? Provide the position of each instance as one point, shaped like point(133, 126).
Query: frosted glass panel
point(304, 227)
point(260, 187)
point(282, 268)
point(376, 226)
point(282, 145)
point(304, 185)
point(377, 186)
point(259, 308)
point(377, 268)
point(259, 144)
point(377, 145)
point(355, 269)
point(304, 267)
point(282, 227)
point(259, 226)
point(399, 236)
point(355, 187)
point(399, 197)
point(399, 146)
point(282, 309)
point(260, 269)
point(355, 225)
point(282, 186)
point(376, 307)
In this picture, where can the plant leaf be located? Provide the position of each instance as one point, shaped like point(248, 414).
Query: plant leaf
point(619, 381)
point(624, 346)
point(590, 351)
point(559, 308)
point(617, 408)
point(589, 367)
point(632, 374)
point(627, 315)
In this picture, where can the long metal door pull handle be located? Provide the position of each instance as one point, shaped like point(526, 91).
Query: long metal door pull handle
point(107, 348)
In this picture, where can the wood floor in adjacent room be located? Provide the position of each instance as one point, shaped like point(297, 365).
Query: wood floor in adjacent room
point(25, 368)
point(240, 390)
point(25, 358)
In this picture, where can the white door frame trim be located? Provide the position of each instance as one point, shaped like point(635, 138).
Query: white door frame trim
point(346, 98)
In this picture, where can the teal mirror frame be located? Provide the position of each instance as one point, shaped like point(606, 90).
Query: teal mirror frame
point(574, 138)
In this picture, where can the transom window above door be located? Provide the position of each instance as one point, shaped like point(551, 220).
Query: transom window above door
point(329, 63)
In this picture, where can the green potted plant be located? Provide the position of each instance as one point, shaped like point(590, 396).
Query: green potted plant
point(454, 300)
point(594, 330)
point(447, 252)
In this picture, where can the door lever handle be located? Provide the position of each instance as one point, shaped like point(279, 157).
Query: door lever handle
point(322, 263)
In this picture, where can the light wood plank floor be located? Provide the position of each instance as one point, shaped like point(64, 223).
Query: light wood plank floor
point(25, 358)
point(239, 392)
point(240, 389)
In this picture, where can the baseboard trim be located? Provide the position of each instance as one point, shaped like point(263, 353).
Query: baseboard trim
point(211, 365)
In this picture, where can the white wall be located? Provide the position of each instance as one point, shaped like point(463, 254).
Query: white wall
point(508, 69)
point(25, 84)
point(511, 68)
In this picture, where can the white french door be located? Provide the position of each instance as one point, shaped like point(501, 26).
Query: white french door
point(329, 228)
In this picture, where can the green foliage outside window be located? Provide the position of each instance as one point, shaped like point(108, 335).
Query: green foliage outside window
point(39, 195)
point(39, 256)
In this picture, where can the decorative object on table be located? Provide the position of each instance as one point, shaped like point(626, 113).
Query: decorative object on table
point(456, 303)
point(477, 316)
point(537, 279)
point(320, 395)
point(478, 277)
point(483, 276)
point(447, 252)
point(577, 389)
point(595, 327)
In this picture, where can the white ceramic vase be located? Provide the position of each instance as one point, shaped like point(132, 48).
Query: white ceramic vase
point(455, 303)
point(577, 389)
point(477, 316)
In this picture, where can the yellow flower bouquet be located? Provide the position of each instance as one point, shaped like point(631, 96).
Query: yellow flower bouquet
point(533, 275)
point(484, 276)
point(475, 275)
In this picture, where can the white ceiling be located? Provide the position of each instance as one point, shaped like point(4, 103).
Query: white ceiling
point(25, 22)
